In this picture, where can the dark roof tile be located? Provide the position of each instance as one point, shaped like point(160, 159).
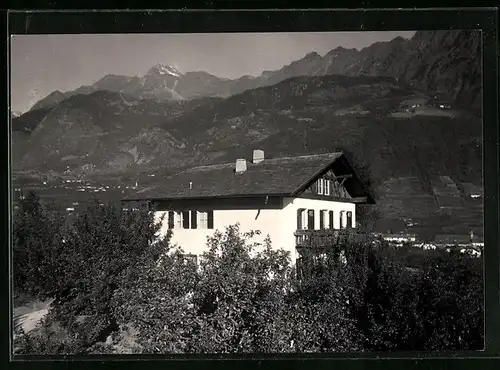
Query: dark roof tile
point(276, 176)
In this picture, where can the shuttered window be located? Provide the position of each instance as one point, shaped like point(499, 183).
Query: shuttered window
point(349, 220)
point(300, 219)
point(331, 219)
point(323, 216)
point(342, 219)
point(178, 220)
point(202, 220)
point(310, 219)
point(327, 187)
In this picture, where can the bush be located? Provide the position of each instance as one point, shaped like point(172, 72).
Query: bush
point(80, 264)
point(108, 271)
point(242, 298)
point(36, 232)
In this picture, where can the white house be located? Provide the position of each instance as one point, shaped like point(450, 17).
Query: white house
point(400, 238)
point(278, 196)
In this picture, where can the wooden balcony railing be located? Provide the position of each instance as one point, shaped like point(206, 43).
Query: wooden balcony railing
point(326, 237)
point(316, 238)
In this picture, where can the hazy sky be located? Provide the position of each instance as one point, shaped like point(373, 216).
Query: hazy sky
point(41, 64)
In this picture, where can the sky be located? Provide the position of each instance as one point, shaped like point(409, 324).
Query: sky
point(41, 64)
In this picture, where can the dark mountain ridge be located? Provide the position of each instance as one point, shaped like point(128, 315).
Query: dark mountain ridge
point(446, 63)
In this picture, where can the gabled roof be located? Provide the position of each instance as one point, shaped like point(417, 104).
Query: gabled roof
point(286, 176)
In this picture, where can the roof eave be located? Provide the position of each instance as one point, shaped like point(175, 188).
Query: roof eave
point(274, 195)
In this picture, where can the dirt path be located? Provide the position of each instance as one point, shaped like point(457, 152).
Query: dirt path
point(30, 314)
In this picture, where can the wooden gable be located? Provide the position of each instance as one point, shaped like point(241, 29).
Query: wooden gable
point(329, 186)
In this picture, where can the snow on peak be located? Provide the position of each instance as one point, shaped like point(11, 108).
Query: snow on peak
point(165, 69)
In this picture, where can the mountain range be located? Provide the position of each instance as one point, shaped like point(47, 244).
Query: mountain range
point(442, 62)
point(347, 99)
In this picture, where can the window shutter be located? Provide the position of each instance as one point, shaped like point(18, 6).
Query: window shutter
point(170, 219)
point(194, 220)
point(185, 219)
point(210, 220)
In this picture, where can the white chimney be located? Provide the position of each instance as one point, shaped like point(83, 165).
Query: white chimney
point(241, 165)
point(258, 156)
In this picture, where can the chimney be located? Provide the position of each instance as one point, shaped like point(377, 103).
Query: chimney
point(258, 156)
point(241, 166)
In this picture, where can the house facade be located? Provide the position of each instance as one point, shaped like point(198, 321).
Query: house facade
point(280, 197)
point(399, 239)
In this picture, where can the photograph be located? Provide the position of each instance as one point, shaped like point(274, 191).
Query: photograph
point(246, 192)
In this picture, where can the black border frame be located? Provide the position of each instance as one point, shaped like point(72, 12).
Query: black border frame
point(182, 21)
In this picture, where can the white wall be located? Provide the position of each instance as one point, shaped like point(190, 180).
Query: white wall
point(194, 240)
point(280, 224)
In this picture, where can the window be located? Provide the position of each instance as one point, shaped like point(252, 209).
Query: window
point(327, 187)
point(342, 225)
point(310, 219)
point(349, 220)
point(178, 220)
point(320, 186)
point(300, 219)
point(192, 220)
point(323, 217)
point(330, 213)
point(203, 220)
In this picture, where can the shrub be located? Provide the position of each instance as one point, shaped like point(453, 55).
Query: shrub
point(108, 270)
point(35, 234)
point(242, 298)
point(80, 265)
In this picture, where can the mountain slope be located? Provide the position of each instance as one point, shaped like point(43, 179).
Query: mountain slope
point(98, 131)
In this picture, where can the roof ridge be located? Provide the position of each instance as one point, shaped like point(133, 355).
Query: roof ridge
point(222, 165)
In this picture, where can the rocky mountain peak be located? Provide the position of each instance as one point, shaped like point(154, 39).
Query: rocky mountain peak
point(164, 69)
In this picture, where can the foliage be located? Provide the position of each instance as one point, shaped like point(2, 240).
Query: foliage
point(430, 303)
point(242, 298)
point(35, 232)
point(110, 275)
point(79, 264)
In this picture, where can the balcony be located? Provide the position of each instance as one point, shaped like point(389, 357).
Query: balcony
point(325, 238)
point(316, 238)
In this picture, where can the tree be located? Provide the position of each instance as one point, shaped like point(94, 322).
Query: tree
point(109, 271)
point(35, 232)
point(242, 298)
point(81, 268)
